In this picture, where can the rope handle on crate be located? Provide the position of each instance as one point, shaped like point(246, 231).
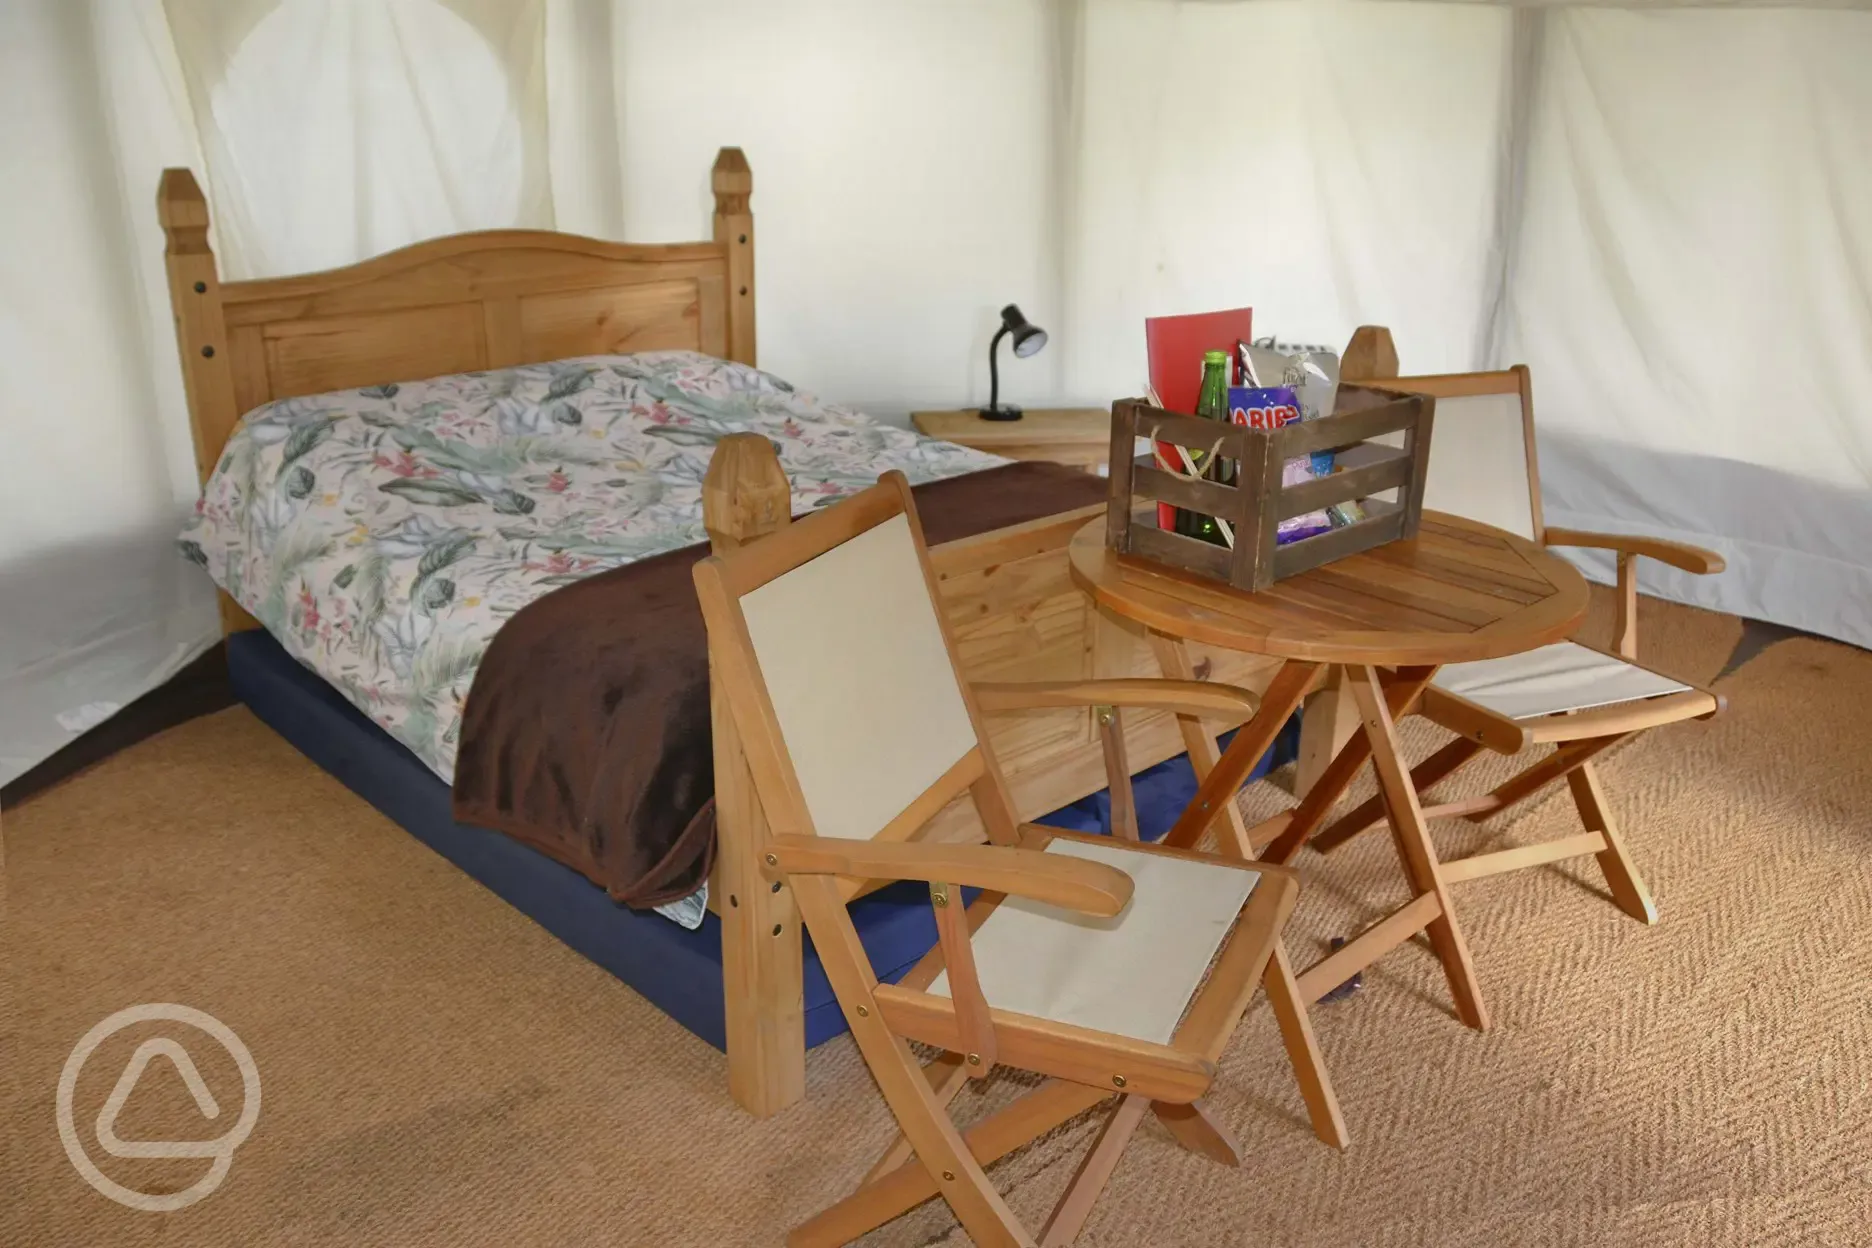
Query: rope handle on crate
point(1189, 472)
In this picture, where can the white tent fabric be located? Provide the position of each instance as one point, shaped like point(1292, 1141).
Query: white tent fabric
point(1355, 179)
point(902, 178)
point(432, 120)
point(1665, 213)
point(1692, 287)
point(97, 472)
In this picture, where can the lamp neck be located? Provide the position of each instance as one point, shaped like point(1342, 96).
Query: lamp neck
point(994, 370)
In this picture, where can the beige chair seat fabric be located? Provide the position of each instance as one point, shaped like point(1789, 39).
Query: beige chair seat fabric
point(1132, 974)
point(1565, 676)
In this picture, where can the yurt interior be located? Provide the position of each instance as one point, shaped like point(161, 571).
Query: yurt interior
point(909, 622)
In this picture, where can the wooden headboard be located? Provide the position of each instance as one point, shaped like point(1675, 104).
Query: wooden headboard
point(489, 299)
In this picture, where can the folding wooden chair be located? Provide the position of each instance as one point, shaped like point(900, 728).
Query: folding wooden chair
point(1109, 966)
point(1576, 697)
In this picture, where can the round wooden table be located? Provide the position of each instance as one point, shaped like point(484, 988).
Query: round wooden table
point(1457, 592)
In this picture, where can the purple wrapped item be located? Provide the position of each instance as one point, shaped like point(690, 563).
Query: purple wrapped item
point(1270, 407)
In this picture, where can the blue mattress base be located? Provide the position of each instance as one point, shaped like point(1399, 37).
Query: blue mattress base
point(678, 970)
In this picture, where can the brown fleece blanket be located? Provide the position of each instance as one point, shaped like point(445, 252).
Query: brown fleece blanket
point(586, 733)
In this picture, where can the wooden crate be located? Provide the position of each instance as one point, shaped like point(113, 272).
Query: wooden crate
point(1258, 501)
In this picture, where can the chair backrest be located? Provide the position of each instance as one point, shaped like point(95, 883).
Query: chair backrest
point(841, 674)
point(1483, 464)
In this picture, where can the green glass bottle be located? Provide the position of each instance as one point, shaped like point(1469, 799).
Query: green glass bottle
point(1211, 404)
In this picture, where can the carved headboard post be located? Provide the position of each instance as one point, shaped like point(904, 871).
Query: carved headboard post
point(745, 493)
point(1369, 356)
point(201, 336)
point(733, 184)
point(201, 329)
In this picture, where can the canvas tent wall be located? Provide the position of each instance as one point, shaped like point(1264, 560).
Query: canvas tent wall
point(1662, 209)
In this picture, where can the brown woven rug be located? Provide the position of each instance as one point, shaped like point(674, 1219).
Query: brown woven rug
point(438, 1071)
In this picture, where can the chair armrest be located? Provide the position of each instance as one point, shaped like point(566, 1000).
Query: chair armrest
point(1071, 883)
point(1184, 697)
point(1677, 554)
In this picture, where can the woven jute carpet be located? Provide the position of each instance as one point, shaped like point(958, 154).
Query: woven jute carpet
point(438, 1071)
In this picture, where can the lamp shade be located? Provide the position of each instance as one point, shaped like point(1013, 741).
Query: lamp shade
point(1027, 337)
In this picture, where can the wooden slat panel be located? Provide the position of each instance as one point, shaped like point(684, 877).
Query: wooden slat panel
point(1014, 612)
point(1192, 432)
point(468, 268)
point(1345, 428)
point(660, 316)
point(252, 386)
point(506, 344)
point(712, 312)
point(1356, 606)
point(1043, 640)
point(1050, 534)
point(1179, 551)
point(1382, 474)
point(1122, 457)
point(1507, 567)
point(1325, 547)
point(1023, 619)
point(1395, 584)
point(341, 353)
point(1435, 569)
point(1208, 497)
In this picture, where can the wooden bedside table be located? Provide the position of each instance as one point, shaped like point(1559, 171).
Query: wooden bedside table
point(1079, 437)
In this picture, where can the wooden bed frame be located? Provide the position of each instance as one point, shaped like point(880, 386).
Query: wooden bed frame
point(506, 297)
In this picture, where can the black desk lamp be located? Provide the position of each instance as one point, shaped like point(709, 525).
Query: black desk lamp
point(1027, 340)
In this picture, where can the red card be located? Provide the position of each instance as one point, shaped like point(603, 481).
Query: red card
point(1175, 345)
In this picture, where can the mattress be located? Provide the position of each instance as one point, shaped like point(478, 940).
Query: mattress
point(384, 535)
point(677, 970)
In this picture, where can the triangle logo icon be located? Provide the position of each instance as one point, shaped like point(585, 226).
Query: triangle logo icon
point(148, 1051)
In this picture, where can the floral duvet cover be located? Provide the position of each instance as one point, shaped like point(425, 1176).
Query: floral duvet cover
point(384, 535)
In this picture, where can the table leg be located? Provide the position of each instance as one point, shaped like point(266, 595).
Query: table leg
point(1327, 721)
point(1401, 693)
point(1413, 844)
point(1199, 742)
point(1217, 791)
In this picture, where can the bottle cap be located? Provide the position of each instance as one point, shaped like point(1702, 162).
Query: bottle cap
point(1215, 357)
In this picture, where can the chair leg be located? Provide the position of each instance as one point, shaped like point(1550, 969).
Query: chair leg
point(1095, 1170)
point(1196, 1129)
point(1525, 784)
point(1424, 777)
point(1415, 848)
point(946, 1075)
point(1627, 886)
point(943, 1153)
point(891, 1195)
point(1309, 1066)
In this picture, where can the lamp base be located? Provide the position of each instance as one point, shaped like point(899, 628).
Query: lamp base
point(1000, 413)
